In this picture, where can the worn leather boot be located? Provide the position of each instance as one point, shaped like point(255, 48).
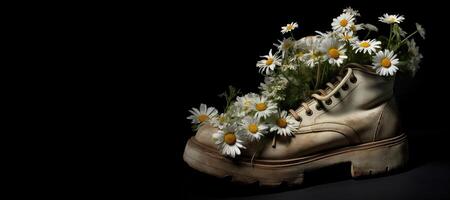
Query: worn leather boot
point(354, 120)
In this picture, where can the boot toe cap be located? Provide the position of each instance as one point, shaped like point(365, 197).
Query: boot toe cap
point(204, 135)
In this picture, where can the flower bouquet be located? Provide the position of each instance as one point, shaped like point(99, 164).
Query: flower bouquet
point(298, 68)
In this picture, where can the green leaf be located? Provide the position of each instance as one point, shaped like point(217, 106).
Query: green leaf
point(229, 96)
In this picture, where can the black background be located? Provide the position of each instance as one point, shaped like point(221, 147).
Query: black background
point(204, 47)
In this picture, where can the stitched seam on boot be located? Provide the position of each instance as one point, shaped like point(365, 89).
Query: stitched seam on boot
point(342, 124)
point(379, 122)
point(348, 138)
point(356, 137)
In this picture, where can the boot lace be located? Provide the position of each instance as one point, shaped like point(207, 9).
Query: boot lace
point(326, 97)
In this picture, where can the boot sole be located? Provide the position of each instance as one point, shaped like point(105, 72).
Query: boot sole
point(366, 159)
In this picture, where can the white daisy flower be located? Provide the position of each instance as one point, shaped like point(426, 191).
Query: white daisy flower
point(237, 110)
point(385, 62)
point(308, 43)
point(367, 46)
point(370, 27)
point(415, 56)
point(228, 141)
point(269, 63)
point(267, 81)
point(309, 47)
point(326, 34)
point(400, 31)
point(263, 107)
point(343, 23)
point(390, 19)
point(289, 27)
point(421, 30)
point(202, 115)
point(357, 27)
point(289, 66)
point(272, 88)
point(284, 46)
point(347, 36)
point(292, 67)
point(351, 11)
point(333, 51)
point(253, 129)
point(412, 47)
point(246, 102)
point(284, 125)
point(312, 58)
point(298, 56)
point(219, 121)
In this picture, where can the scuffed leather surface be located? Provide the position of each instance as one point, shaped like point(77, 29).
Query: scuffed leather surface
point(388, 125)
point(365, 112)
point(300, 145)
point(204, 135)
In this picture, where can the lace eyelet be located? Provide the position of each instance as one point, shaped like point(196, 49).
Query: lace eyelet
point(345, 87)
point(329, 102)
point(353, 79)
point(337, 95)
point(318, 107)
point(309, 113)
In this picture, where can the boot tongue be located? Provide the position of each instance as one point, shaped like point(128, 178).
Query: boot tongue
point(363, 68)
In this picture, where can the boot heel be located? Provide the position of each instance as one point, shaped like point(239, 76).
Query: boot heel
point(379, 160)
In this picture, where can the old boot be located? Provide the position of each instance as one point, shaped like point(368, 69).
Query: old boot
point(354, 120)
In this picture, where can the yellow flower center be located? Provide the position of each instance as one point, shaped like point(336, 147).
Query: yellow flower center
point(222, 119)
point(343, 22)
point(261, 106)
point(286, 45)
point(315, 55)
point(201, 118)
point(253, 128)
point(290, 27)
point(364, 44)
point(282, 123)
point(347, 37)
point(247, 104)
point(269, 61)
point(386, 63)
point(391, 19)
point(229, 138)
point(333, 53)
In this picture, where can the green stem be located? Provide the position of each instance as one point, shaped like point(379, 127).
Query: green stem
point(287, 77)
point(390, 36)
point(291, 81)
point(367, 35)
point(350, 52)
point(317, 76)
point(404, 40)
point(324, 71)
point(228, 105)
point(408, 36)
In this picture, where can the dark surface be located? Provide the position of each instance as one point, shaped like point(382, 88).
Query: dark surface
point(429, 181)
point(426, 177)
